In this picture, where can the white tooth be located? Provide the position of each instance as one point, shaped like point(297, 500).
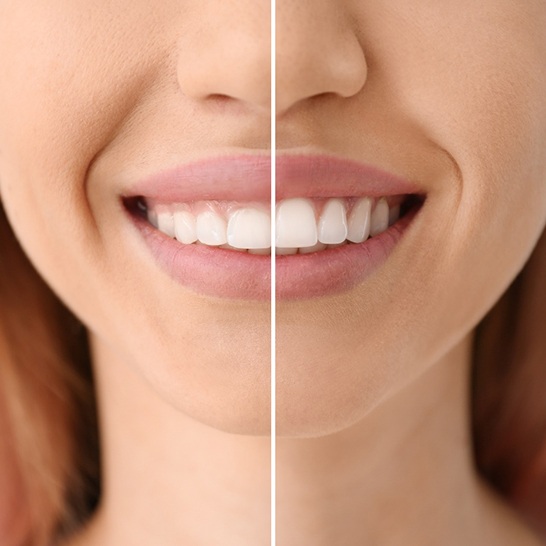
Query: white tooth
point(394, 214)
point(211, 228)
point(165, 221)
point(296, 223)
point(263, 251)
point(285, 251)
point(332, 226)
point(380, 217)
point(359, 221)
point(315, 248)
point(337, 245)
point(184, 227)
point(249, 228)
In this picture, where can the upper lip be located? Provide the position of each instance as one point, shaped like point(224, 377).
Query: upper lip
point(330, 176)
point(247, 177)
point(231, 178)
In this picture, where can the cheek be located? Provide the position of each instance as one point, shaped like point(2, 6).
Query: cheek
point(478, 92)
point(473, 79)
point(72, 72)
point(70, 75)
point(480, 96)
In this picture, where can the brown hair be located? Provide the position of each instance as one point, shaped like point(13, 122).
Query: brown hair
point(46, 379)
point(46, 383)
point(509, 392)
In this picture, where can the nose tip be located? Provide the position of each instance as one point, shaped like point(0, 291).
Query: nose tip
point(318, 53)
point(246, 81)
point(343, 75)
point(231, 61)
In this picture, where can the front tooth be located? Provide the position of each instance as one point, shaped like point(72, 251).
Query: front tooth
point(211, 228)
point(296, 224)
point(184, 227)
point(380, 217)
point(359, 221)
point(332, 227)
point(165, 221)
point(249, 228)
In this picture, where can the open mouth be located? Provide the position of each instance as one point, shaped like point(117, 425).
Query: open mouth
point(208, 225)
point(303, 225)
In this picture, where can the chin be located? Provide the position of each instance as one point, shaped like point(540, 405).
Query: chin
point(235, 400)
point(316, 422)
point(246, 419)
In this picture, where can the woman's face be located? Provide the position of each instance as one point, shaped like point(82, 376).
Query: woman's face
point(96, 100)
point(97, 97)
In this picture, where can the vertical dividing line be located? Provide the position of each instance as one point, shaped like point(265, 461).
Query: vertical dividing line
point(273, 282)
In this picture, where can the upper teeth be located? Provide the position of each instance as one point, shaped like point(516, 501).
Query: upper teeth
point(302, 224)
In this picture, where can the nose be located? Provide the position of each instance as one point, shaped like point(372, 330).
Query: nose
point(229, 56)
point(317, 52)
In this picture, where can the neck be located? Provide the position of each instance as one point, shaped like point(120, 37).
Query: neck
point(168, 479)
point(404, 475)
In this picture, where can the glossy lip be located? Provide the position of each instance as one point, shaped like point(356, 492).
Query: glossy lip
point(226, 273)
point(231, 178)
point(248, 178)
point(327, 176)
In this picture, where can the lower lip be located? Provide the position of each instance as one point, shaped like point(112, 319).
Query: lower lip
point(223, 273)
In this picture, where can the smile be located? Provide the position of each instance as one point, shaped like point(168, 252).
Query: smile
point(303, 225)
point(213, 234)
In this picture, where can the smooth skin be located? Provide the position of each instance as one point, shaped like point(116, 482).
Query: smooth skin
point(373, 392)
point(96, 95)
point(374, 444)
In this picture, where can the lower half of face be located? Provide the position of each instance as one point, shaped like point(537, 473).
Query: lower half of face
point(94, 110)
point(446, 109)
point(405, 208)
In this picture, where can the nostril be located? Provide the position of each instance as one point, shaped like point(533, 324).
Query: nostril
point(219, 97)
point(224, 103)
